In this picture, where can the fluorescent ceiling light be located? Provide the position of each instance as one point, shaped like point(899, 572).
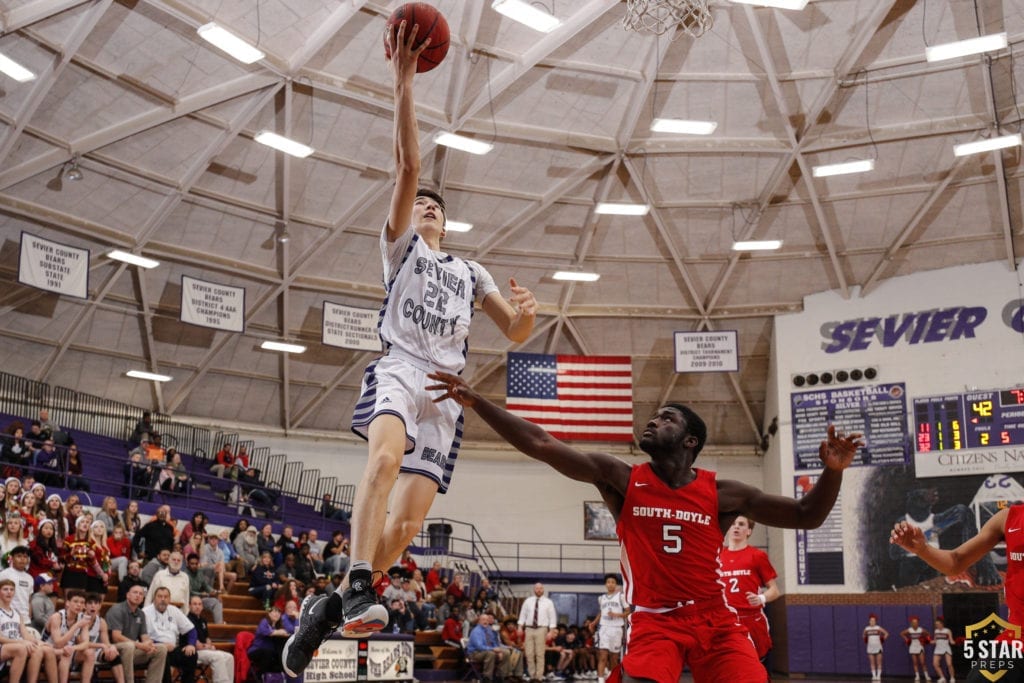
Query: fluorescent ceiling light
point(861, 166)
point(622, 209)
point(15, 70)
point(458, 226)
point(575, 276)
point(757, 245)
point(152, 376)
point(282, 346)
point(780, 4)
point(1001, 142)
point(527, 14)
point(463, 143)
point(133, 259)
point(961, 48)
point(683, 126)
point(230, 43)
point(283, 144)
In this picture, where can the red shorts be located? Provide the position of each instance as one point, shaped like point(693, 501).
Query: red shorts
point(710, 641)
point(757, 625)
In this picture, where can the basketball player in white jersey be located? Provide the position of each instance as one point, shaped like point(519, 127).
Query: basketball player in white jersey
point(16, 639)
point(424, 324)
point(99, 637)
point(610, 636)
point(67, 632)
point(15, 648)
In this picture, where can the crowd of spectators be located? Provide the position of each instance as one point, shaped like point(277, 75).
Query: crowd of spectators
point(170, 576)
point(42, 451)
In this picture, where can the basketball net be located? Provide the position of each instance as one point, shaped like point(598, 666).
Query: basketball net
point(660, 16)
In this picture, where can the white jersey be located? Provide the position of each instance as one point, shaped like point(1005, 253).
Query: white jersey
point(10, 623)
point(64, 626)
point(616, 602)
point(428, 302)
point(943, 638)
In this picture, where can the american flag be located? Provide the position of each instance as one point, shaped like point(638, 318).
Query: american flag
point(580, 398)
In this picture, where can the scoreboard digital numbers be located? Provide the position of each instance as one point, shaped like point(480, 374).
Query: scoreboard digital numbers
point(939, 423)
point(979, 419)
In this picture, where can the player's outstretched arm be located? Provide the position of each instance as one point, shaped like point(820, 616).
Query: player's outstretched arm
point(957, 560)
point(513, 317)
point(407, 132)
point(836, 453)
point(600, 469)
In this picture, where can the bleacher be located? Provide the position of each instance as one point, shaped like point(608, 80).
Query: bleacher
point(100, 428)
point(104, 458)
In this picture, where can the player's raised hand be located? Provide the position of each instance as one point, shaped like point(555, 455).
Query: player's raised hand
point(522, 299)
point(454, 387)
point(907, 536)
point(404, 56)
point(837, 450)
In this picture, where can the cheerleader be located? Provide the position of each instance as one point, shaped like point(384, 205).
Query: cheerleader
point(943, 639)
point(916, 638)
point(874, 636)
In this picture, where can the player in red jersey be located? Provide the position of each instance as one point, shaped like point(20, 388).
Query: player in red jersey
point(671, 519)
point(746, 570)
point(1006, 525)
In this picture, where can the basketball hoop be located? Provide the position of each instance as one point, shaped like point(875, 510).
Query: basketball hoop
point(661, 16)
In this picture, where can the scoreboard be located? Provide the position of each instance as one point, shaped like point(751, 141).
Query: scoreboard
point(979, 419)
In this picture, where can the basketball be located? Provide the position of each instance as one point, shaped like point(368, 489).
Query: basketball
point(432, 24)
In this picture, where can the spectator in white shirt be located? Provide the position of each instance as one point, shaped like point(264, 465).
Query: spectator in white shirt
point(167, 625)
point(537, 618)
point(173, 579)
point(17, 571)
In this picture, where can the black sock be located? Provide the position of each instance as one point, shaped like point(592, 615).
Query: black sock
point(333, 609)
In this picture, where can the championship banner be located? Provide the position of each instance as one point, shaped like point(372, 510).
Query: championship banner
point(53, 266)
point(349, 327)
point(209, 304)
point(707, 351)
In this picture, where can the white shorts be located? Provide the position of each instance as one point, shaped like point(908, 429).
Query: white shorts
point(609, 638)
point(433, 431)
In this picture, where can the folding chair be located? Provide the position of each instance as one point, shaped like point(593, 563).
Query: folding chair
point(474, 670)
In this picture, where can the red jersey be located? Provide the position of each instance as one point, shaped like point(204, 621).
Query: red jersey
point(745, 571)
point(1014, 584)
point(670, 540)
